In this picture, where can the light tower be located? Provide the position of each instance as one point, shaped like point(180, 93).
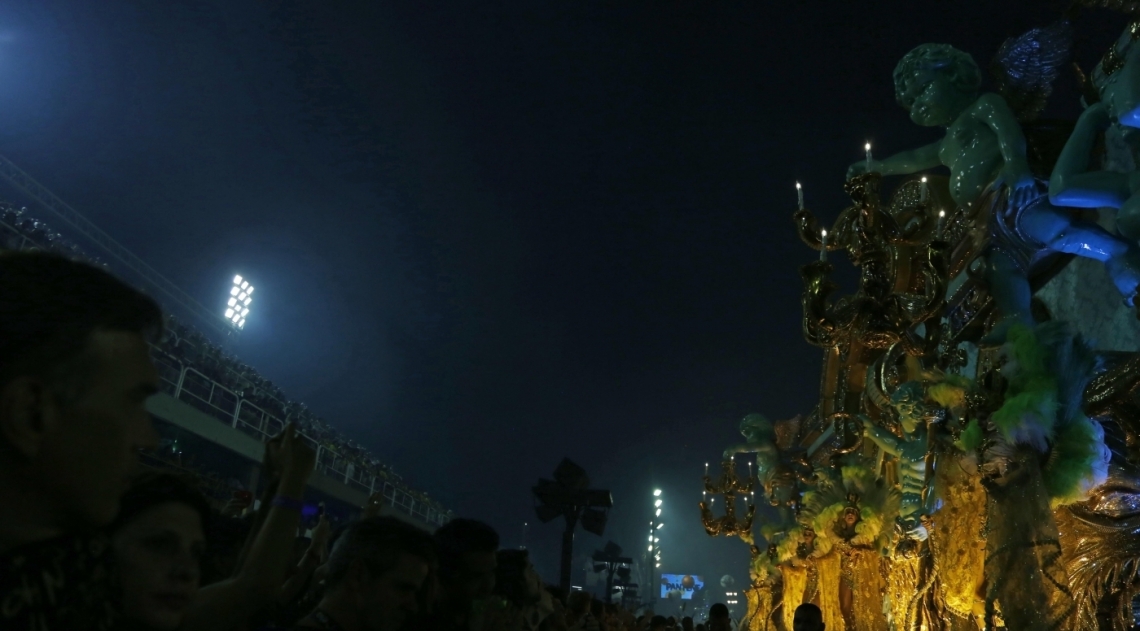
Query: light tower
point(237, 307)
point(653, 556)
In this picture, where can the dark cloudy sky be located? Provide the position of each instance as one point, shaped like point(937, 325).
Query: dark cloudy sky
point(489, 234)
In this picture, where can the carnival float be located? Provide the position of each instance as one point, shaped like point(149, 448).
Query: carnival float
point(973, 461)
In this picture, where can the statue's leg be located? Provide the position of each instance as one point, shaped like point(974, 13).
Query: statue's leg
point(1060, 233)
point(1009, 288)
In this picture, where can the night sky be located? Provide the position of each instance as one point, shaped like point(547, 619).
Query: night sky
point(487, 235)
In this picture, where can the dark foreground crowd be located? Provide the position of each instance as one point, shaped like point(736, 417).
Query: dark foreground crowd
point(88, 542)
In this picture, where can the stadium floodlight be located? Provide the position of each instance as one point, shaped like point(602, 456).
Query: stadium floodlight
point(658, 512)
point(660, 525)
point(657, 493)
point(237, 306)
point(657, 503)
point(651, 548)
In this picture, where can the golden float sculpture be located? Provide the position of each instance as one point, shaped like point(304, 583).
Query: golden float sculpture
point(972, 463)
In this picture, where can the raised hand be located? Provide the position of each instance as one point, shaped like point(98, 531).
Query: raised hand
point(295, 457)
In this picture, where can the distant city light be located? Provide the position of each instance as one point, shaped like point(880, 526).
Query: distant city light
point(237, 307)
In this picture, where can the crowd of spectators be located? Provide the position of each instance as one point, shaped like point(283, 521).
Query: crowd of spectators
point(89, 545)
point(20, 231)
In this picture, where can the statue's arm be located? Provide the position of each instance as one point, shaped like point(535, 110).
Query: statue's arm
point(1072, 183)
point(886, 441)
point(912, 161)
point(903, 162)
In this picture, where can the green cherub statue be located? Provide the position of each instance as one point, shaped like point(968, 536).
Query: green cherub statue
point(985, 147)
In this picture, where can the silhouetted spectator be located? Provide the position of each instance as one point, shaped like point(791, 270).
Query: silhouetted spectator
point(467, 564)
point(719, 619)
point(687, 623)
point(159, 541)
point(376, 576)
point(807, 617)
point(658, 623)
point(75, 374)
point(517, 582)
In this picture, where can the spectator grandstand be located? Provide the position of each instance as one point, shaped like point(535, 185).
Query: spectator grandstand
point(199, 373)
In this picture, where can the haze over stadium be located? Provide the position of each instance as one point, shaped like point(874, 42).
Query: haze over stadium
point(483, 236)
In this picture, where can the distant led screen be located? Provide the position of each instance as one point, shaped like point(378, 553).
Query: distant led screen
point(684, 585)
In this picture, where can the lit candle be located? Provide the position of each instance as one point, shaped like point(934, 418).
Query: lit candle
point(924, 194)
point(868, 148)
point(800, 194)
point(941, 221)
point(823, 246)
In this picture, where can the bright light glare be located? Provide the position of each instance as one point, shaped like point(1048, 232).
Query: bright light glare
point(659, 526)
point(656, 540)
point(239, 301)
point(657, 503)
point(658, 565)
point(651, 538)
point(657, 493)
point(651, 548)
point(658, 512)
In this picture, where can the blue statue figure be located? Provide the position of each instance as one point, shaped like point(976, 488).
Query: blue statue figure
point(1116, 80)
point(984, 147)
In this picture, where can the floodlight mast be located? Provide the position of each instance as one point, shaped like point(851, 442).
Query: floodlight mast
point(237, 306)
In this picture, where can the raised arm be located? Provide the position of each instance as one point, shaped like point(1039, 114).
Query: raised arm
point(1072, 183)
point(886, 441)
point(902, 163)
point(228, 604)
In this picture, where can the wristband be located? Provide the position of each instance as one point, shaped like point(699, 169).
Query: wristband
point(288, 503)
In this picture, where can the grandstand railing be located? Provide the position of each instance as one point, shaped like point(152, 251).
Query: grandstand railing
point(203, 393)
point(191, 386)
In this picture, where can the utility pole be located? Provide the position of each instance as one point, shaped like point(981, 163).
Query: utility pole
point(568, 495)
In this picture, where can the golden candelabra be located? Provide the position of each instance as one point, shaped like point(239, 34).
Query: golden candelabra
point(729, 485)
